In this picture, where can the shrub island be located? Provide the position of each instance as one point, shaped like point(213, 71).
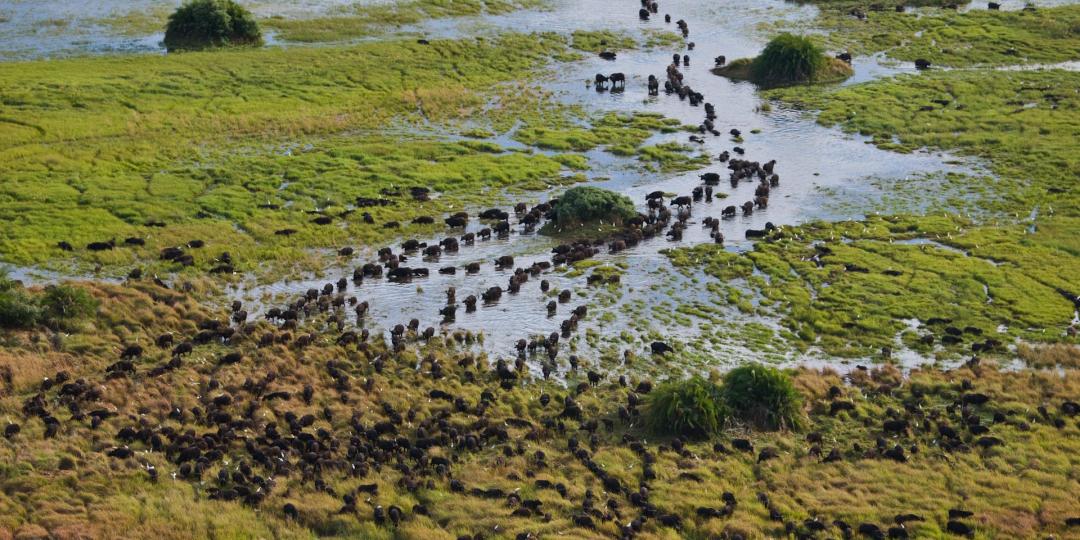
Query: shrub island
point(589, 212)
point(202, 24)
point(788, 60)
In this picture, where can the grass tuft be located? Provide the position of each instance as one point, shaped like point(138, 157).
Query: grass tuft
point(764, 397)
point(692, 408)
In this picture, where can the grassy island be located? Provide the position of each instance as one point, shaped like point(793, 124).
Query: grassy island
point(787, 60)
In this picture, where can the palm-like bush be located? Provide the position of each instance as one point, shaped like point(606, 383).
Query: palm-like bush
point(63, 305)
point(763, 396)
point(691, 408)
point(201, 24)
point(788, 58)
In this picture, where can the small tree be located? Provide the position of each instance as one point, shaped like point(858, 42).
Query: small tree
point(691, 408)
point(788, 58)
point(201, 24)
point(763, 396)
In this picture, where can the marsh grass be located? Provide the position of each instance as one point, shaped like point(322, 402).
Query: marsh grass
point(949, 38)
point(1014, 271)
point(235, 145)
point(1058, 355)
point(787, 60)
point(872, 276)
point(691, 407)
point(362, 20)
point(764, 397)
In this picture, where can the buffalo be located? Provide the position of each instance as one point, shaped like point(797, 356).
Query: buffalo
point(659, 347)
point(618, 80)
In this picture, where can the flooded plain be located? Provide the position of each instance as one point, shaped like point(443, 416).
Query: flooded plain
point(825, 175)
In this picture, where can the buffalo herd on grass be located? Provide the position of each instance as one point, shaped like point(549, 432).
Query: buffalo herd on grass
point(237, 453)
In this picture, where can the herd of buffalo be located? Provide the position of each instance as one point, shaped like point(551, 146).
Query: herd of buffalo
point(237, 453)
point(663, 217)
point(227, 443)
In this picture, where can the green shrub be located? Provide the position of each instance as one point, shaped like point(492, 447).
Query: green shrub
point(788, 58)
point(17, 309)
point(763, 396)
point(692, 408)
point(584, 204)
point(62, 305)
point(200, 24)
point(6, 283)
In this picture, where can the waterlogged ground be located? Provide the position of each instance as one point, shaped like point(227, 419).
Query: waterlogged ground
point(50, 28)
point(826, 175)
point(922, 281)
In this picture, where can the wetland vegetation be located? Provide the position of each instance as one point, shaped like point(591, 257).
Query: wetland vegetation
point(207, 327)
point(200, 24)
point(787, 59)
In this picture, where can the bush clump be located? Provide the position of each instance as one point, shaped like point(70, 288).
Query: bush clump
point(62, 305)
point(787, 59)
point(201, 24)
point(585, 204)
point(17, 309)
point(764, 397)
point(58, 306)
point(692, 408)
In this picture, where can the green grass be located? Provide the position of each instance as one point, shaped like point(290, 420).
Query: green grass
point(233, 146)
point(94, 148)
point(1020, 122)
point(864, 6)
point(141, 22)
point(871, 280)
point(692, 408)
point(787, 59)
point(672, 157)
point(620, 134)
point(363, 20)
point(949, 38)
